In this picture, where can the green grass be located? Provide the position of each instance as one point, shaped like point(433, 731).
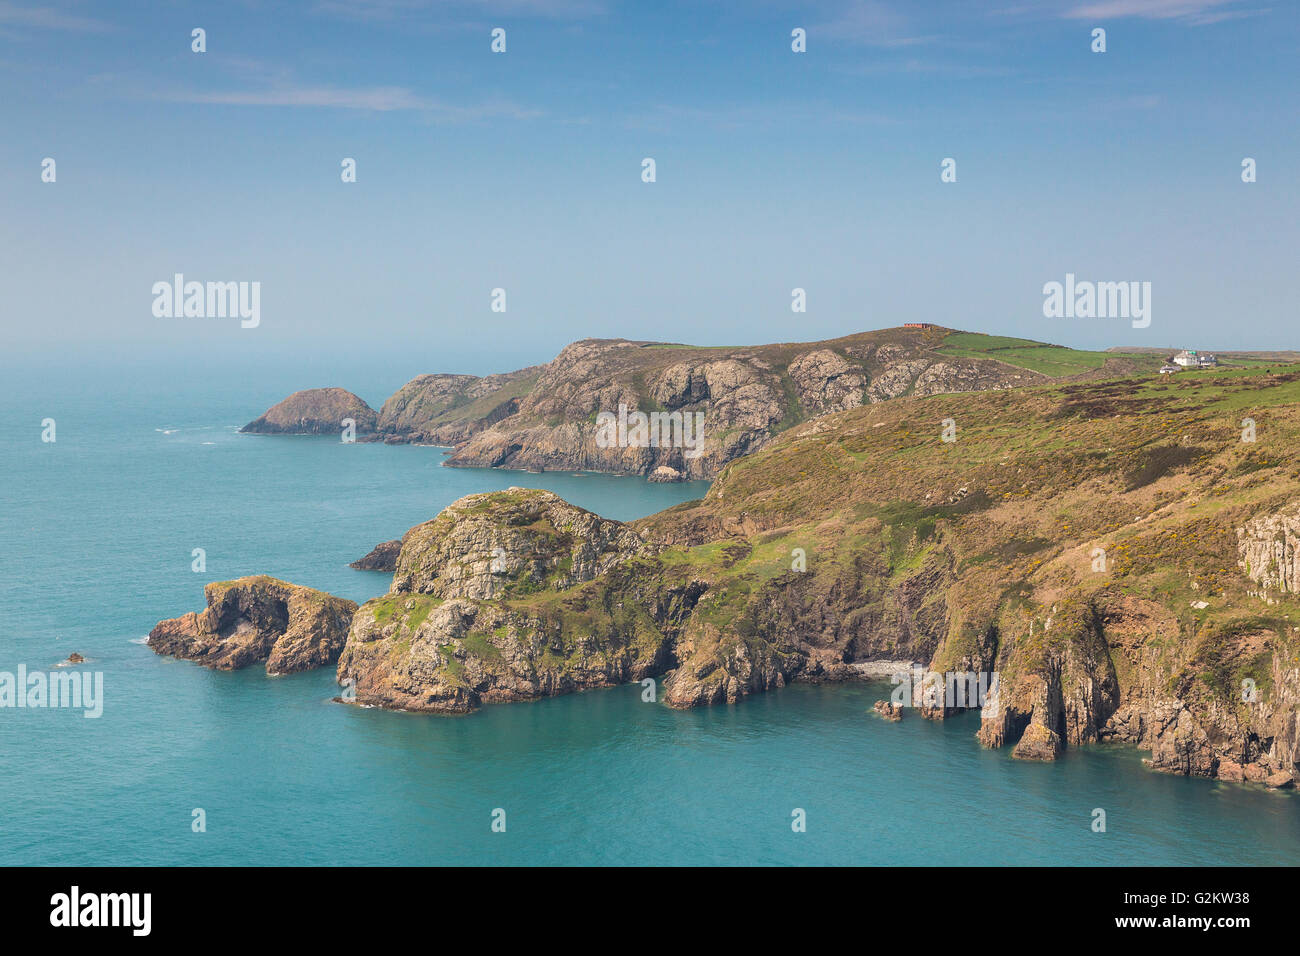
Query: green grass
point(1053, 360)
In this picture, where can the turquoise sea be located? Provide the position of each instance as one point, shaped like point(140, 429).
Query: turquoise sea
point(96, 535)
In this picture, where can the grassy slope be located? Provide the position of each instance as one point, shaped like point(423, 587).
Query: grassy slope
point(1053, 360)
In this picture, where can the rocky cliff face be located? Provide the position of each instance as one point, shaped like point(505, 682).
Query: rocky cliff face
point(1078, 543)
point(733, 400)
point(743, 397)
point(1268, 549)
point(449, 409)
point(315, 411)
point(477, 610)
point(257, 619)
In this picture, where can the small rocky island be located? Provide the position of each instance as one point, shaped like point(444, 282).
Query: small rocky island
point(255, 619)
point(314, 411)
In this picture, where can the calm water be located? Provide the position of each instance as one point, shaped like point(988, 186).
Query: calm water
point(96, 534)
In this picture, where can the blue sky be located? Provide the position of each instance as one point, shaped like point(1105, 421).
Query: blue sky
point(522, 171)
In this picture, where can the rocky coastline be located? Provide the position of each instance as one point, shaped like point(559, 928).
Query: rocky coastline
point(1111, 553)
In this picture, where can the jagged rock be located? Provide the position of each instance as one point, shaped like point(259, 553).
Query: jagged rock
point(1038, 743)
point(483, 546)
point(447, 409)
point(666, 474)
point(256, 619)
point(382, 557)
point(75, 658)
point(888, 711)
point(1268, 549)
point(715, 667)
point(436, 642)
point(314, 411)
point(825, 382)
point(1280, 781)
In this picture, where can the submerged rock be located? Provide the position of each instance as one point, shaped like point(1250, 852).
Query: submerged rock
point(257, 619)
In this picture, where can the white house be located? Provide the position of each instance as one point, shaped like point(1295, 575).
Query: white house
point(1187, 358)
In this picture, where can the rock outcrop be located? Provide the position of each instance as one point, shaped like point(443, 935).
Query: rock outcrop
point(315, 411)
point(382, 557)
point(477, 610)
point(1268, 549)
point(255, 619)
point(449, 409)
point(887, 710)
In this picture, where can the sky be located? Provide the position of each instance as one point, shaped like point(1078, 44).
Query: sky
point(522, 171)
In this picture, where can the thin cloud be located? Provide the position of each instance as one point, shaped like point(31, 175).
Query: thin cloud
point(379, 99)
point(394, 10)
point(873, 23)
point(1198, 12)
point(49, 18)
point(920, 67)
point(664, 118)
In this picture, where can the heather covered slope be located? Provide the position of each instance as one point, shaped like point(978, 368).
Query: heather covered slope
point(1112, 549)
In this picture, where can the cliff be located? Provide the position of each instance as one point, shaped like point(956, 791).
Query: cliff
point(448, 409)
point(314, 411)
point(1097, 546)
point(255, 619)
point(445, 638)
point(706, 406)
